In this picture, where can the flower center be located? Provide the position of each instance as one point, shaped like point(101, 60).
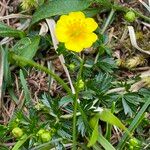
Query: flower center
point(76, 30)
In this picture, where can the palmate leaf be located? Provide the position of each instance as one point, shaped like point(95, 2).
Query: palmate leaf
point(106, 64)
point(130, 102)
point(59, 7)
point(127, 109)
point(100, 84)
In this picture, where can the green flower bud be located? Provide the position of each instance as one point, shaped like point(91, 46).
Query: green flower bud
point(46, 136)
point(133, 142)
point(17, 120)
point(131, 147)
point(40, 132)
point(72, 66)
point(81, 84)
point(17, 132)
point(130, 16)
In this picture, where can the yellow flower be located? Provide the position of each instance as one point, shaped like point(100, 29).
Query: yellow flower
point(76, 31)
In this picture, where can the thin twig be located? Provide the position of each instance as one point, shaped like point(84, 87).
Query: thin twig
point(11, 16)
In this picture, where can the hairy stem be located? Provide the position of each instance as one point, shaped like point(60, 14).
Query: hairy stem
point(75, 104)
point(42, 68)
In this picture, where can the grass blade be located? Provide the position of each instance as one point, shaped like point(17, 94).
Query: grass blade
point(134, 124)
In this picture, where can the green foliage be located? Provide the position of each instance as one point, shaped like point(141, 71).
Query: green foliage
point(27, 47)
point(136, 121)
point(106, 3)
point(20, 142)
point(25, 88)
point(59, 7)
point(106, 64)
point(3, 133)
point(46, 118)
point(6, 31)
point(129, 105)
point(100, 84)
point(94, 136)
point(107, 116)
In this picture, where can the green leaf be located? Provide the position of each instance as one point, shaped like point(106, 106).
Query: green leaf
point(27, 47)
point(7, 73)
point(108, 117)
point(65, 100)
point(105, 3)
point(12, 94)
point(90, 12)
point(3, 147)
point(100, 84)
point(6, 31)
point(137, 120)
point(3, 130)
point(20, 142)
point(105, 143)
point(94, 136)
point(25, 87)
point(127, 109)
point(107, 64)
point(59, 7)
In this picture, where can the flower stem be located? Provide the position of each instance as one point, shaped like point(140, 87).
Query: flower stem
point(75, 104)
point(42, 68)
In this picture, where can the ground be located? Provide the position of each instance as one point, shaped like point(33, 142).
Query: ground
point(52, 97)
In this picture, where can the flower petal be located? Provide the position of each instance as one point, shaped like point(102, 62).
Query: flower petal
point(89, 40)
point(91, 25)
point(77, 15)
point(61, 35)
point(71, 45)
